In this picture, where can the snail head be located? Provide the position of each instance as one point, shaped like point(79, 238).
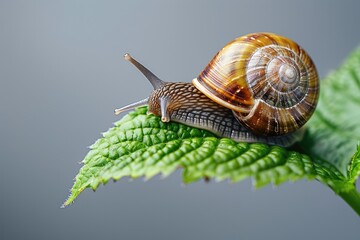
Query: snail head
point(158, 101)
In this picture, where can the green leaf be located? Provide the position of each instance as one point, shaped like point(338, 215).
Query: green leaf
point(140, 145)
point(334, 129)
point(354, 167)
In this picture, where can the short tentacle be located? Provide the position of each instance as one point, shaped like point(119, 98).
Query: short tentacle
point(164, 104)
point(131, 106)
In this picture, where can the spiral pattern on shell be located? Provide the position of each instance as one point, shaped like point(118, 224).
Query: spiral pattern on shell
point(269, 82)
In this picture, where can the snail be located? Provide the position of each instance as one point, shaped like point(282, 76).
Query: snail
point(261, 87)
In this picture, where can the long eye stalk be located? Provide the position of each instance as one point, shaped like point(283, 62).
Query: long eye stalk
point(153, 79)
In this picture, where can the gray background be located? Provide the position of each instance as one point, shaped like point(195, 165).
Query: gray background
point(62, 74)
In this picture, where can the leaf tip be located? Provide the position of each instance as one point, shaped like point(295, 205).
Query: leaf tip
point(68, 201)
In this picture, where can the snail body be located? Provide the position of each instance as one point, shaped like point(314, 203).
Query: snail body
point(260, 87)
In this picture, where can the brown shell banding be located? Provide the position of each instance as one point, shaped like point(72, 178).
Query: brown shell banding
point(268, 80)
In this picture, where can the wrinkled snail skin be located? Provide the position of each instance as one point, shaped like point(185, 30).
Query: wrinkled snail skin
point(261, 87)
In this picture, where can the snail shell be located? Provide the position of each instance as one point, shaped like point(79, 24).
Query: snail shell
point(269, 82)
point(261, 87)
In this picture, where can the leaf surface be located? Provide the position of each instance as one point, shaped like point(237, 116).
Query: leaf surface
point(141, 145)
point(334, 129)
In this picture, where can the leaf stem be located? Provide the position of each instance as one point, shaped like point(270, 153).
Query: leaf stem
point(352, 197)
